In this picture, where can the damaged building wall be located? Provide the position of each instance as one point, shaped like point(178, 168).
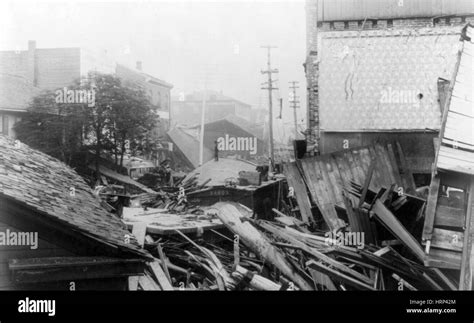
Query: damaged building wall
point(354, 98)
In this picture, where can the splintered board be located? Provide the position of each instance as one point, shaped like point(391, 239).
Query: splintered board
point(296, 182)
point(447, 239)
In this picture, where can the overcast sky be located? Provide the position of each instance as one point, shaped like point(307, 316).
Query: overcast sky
point(177, 41)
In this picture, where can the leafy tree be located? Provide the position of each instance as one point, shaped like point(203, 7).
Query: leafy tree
point(119, 118)
point(52, 127)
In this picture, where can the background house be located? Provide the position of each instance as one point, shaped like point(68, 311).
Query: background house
point(186, 109)
point(157, 90)
point(373, 71)
point(24, 73)
point(187, 140)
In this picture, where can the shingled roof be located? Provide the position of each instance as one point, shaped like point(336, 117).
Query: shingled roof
point(44, 184)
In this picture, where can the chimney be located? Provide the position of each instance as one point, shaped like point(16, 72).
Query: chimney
point(139, 65)
point(31, 71)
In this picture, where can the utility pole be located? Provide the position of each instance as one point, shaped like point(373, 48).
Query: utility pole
point(270, 88)
point(203, 121)
point(294, 103)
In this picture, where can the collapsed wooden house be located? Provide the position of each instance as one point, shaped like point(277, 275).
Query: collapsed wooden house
point(326, 177)
point(449, 224)
point(54, 235)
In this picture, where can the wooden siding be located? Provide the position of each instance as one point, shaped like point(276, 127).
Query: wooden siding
point(332, 10)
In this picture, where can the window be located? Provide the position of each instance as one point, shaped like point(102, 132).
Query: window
point(5, 125)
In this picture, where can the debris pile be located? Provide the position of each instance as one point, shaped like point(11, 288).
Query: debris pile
point(365, 237)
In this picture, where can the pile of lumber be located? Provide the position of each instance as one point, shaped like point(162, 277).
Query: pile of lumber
point(284, 255)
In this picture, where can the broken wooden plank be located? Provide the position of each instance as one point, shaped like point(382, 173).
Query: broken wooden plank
point(319, 192)
point(393, 161)
point(443, 259)
point(467, 258)
point(322, 279)
point(405, 172)
point(432, 282)
point(147, 283)
point(403, 282)
point(295, 182)
point(431, 208)
point(253, 239)
point(255, 281)
point(392, 224)
point(160, 275)
point(338, 275)
point(365, 187)
point(164, 261)
point(447, 239)
point(314, 252)
point(448, 216)
point(133, 282)
point(352, 217)
point(139, 231)
point(444, 279)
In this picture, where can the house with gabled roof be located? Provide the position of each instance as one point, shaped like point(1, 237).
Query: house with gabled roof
point(54, 234)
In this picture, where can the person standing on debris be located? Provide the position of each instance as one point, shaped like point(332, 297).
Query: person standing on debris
point(216, 151)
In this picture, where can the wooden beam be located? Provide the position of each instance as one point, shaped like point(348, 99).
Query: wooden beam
point(315, 253)
point(447, 259)
point(295, 181)
point(256, 282)
point(164, 261)
point(160, 276)
point(133, 283)
point(404, 282)
point(351, 215)
point(447, 239)
point(147, 283)
point(322, 279)
point(37, 270)
point(139, 231)
point(257, 242)
point(392, 224)
point(368, 178)
point(467, 258)
point(431, 207)
point(444, 279)
point(432, 282)
point(406, 174)
point(338, 275)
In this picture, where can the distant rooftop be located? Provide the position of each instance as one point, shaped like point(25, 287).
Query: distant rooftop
point(140, 75)
point(211, 95)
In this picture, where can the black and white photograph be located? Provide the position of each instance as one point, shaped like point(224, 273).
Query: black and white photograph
point(238, 146)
